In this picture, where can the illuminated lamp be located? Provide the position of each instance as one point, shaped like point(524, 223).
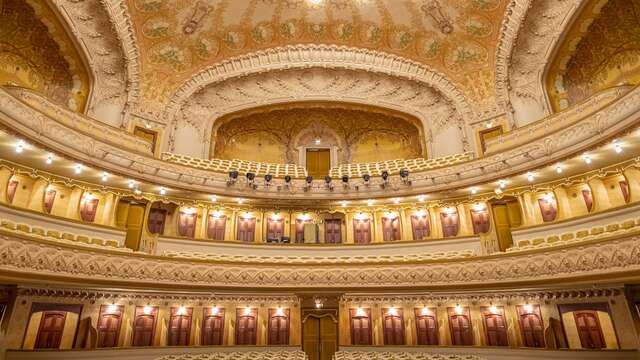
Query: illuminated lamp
point(182, 311)
point(528, 308)
point(279, 312)
point(147, 310)
point(215, 311)
point(20, 146)
point(493, 309)
point(112, 309)
point(360, 313)
point(247, 311)
point(392, 311)
point(425, 311)
point(458, 309)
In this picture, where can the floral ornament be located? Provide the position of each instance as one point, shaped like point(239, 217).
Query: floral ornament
point(156, 28)
point(464, 55)
point(149, 5)
point(317, 29)
point(344, 31)
point(262, 33)
point(169, 54)
point(234, 40)
point(477, 26)
point(206, 48)
point(400, 39)
point(484, 5)
point(371, 33)
point(289, 29)
point(429, 46)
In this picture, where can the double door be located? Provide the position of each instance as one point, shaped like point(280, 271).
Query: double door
point(320, 335)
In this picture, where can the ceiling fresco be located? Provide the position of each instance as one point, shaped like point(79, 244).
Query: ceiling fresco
point(178, 38)
point(37, 53)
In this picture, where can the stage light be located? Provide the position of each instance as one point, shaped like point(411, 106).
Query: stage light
point(131, 184)
point(78, 168)
point(369, 202)
point(559, 169)
point(163, 191)
point(233, 175)
point(49, 159)
point(530, 176)
point(617, 146)
point(503, 184)
point(20, 146)
point(404, 174)
point(458, 309)
point(586, 158)
point(104, 177)
point(528, 308)
point(474, 190)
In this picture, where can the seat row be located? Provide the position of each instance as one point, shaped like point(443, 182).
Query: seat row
point(242, 166)
point(624, 227)
point(55, 235)
point(438, 255)
point(239, 355)
point(388, 355)
point(394, 166)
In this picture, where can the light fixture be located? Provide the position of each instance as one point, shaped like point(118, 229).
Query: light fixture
point(396, 201)
point(20, 146)
point(49, 159)
point(420, 213)
point(479, 206)
point(498, 191)
point(458, 309)
point(474, 190)
point(502, 184)
point(147, 125)
point(360, 216)
point(246, 215)
point(189, 211)
point(112, 309)
point(214, 198)
point(318, 141)
point(392, 311)
point(240, 201)
point(280, 312)
point(247, 311)
point(586, 158)
point(137, 191)
point(275, 216)
point(421, 198)
point(181, 311)
point(214, 311)
point(617, 146)
point(450, 210)
point(217, 214)
point(493, 309)
point(78, 168)
point(163, 191)
point(391, 215)
point(360, 313)
point(559, 169)
point(489, 125)
point(548, 197)
point(147, 310)
point(530, 176)
point(315, 2)
point(343, 203)
point(425, 311)
point(528, 308)
point(104, 177)
point(131, 184)
point(369, 202)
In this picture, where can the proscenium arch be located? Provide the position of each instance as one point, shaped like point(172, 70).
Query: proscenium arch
point(235, 116)
point(322, 56)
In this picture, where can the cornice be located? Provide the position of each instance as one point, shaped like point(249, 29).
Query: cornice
point(603, 261)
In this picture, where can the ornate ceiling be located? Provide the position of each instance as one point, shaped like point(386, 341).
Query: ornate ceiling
point(179, 38)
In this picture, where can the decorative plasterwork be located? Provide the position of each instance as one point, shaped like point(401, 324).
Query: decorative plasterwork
point(529, 34)
point(101, 30)
point(539, 149)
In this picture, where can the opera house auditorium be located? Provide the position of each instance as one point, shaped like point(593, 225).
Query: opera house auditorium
point(319, 179)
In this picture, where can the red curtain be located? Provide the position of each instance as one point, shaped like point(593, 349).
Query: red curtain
point(360, 327)
point(495, 327)
point(246, 229)
point(187, 224)
point(362, 231)
point(420, 227)
point(109, 325)
point(426, 327)
point(549, 209)
point(144, 326)
point(333, 231)
point(216, 226)
point(588, 199)
point(390, 229)
point(180, 327)
point(50, 330)
point(49, 198)
point(11, 190)
point(278, 327)
point(212, 327)
point(589, 329)
point(275, 228)
point(480, 220)
point(624, 187)
point(531, 326)
point(450, 223)
point(460, 327)
point(157, 217)
point(393, 327)
point(88, 209)
point(246, 327)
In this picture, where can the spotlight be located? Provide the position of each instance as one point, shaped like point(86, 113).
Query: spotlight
point(586, 158)
point(78, 168)
point(287, 181)
point(617, 146)
point(163, 191)
point(49, 160)
point(385, 175)
point(345, 179)
point(559, 169)
point(233, 177)
point(530, 176)
point(503, 184)
point(267, 179)
point(474, 190)
point(105, 177)
point(404, 173)
point(366, 178)
point(251, 176)
point(131, 184)
point(309, 179)
point(327, 179)
point(20, 146)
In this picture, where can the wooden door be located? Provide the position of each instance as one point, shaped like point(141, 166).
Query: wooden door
point(275, 228)
point(246, 229)
point(333, 231)
point(420, 227)
point(588, 199)
point(212, 327)
point(180, 326)
point(300, 230)
point(495, 327)
point(393, 326)
point(549, 209)
point(360, 327)
point(135, 220)
point(480, 221)
point(11, 190)
point(109, 324)
point(216, 226)
point(278, 327)
point(246, 326)
point(531, 326)
point(589, 329)
point(362, 231)
point(88, 209)
point(311, 338)
point(450, 223)
point(624, 188)
point(426, 327)
point(157, 217)
point(49, 198)
point(460, 327)
point(318, 162)
point(144, 325)
point(503, 224)
point(390, 229)
point(50, 330)
point(320, 337)
point(187, 224)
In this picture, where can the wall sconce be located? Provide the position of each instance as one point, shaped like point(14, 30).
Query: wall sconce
point(182, 311)
point(548, 197)
point(458, 309)
point(215, 311)
point(391, 215)
point(247, 311)
point(360, 313)
point(392, 311)
point(112, 309)
point(147, 310)
point(279, 312)
point(528, 308)
point(479, 207)
point(493, 309)
point(420, 213)
point(425, 311)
